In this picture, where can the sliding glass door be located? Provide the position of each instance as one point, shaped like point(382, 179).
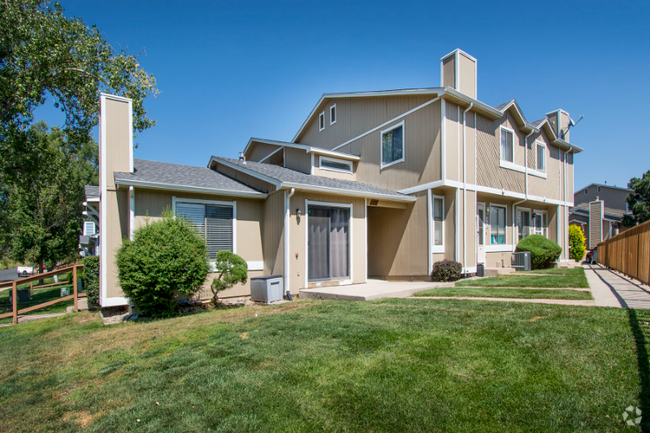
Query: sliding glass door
point(328, 243)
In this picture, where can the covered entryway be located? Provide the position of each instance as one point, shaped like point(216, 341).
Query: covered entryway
point(328, 242)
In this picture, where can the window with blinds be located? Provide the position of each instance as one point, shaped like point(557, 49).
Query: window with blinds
point(213, 222)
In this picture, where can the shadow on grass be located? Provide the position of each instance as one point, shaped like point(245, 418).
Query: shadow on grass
point(643, 367)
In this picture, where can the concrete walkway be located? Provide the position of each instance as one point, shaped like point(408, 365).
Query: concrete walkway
point(373, 289)
point(612, 289)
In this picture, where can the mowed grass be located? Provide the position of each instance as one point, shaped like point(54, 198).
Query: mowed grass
point(574, 279)
point(471, 292)
point(382, 366)
point(555, 271)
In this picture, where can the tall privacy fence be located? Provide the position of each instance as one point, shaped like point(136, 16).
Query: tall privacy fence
point(628, 252)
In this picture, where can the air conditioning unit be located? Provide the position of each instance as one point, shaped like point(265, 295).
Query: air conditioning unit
point(523, 261)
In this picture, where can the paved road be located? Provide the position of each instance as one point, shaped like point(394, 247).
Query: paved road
point(8, 275)
point(613, 289)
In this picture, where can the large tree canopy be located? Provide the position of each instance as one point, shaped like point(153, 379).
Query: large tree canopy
point(44, 54)
point(639, 200)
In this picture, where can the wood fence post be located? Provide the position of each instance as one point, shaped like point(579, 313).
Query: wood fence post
point(74, 286)
point(14, 302)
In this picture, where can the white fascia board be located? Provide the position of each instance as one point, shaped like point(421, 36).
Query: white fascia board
point(559, 110)
point(565, 145)
point(155, 185)
point(458, 50)
point(92, 200)
point(255, 174)
point(348, 193)
point(478, 105)
point(308, 149)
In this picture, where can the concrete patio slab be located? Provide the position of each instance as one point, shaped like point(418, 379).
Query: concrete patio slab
point(373, 289)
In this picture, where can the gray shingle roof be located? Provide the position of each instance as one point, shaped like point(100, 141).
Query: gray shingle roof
point(538, 122)
point(91, 191)
point(166, 174)
point(293, 177)
point(500, 107)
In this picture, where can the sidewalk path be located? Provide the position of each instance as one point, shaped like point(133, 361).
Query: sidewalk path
point(611, 289)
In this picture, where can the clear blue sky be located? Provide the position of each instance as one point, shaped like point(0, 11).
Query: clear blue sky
point(234, 70)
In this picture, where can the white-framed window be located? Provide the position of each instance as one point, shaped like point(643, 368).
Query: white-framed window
point(392, 145)
point(214, 220)
point(540, 156)
point(540, 223)
point(89, 228)
point(507, 144)
point(438, 219)
point(498, 225)
point(332, 114)
point(335, 164)
point(321, 121)
point(523, 223)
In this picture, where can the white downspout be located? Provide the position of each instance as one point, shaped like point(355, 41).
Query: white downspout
point(465, 185)
point(514, 205)
point(287, 198)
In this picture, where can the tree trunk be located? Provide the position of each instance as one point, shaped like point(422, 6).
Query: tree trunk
point(40, 269)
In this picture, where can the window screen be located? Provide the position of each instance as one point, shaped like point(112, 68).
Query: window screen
point(507, 150)
point(392, 145)
point(213, 222)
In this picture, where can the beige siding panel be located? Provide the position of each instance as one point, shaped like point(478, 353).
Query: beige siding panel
point(246, 179)
point(470, 143)
point(453, 138)
point(356, 116)
point(549, 187)
point(467, 76)
point(449, 222)
point(489, 172)
point(595, 222)
point(397, 240)
point(498, 260)
point(117, 139)
point(273, 234)
point(570, 185)
point(298, 238)
point(421, 153)
point(297, 159)
point(470, 230)
point(552, 120)
point(117, 224)
point(258, 151)
point(449, 66)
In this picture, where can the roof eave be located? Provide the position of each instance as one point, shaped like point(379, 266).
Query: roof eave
point(252, 173)
point(349, 193)
point(565, 145)
point(306, 148)
point(188, 188)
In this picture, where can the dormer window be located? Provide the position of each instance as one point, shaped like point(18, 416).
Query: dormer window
point(321, 121)
point(333, 114)
point(507, 145)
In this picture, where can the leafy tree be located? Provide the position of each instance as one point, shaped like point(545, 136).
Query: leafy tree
point(41, 201)
point(638, 201)
point(166, 258)
point(577, 247)
point(232, 270)
point(45, 54)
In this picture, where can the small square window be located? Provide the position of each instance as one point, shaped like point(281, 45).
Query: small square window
point(321, 121)
point(507, 145)
point(333, 114)
point(392, 145)
point(598, 189)
point(586, 191)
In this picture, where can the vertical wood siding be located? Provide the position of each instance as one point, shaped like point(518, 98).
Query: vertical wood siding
point(297, 159)
point(489, 172)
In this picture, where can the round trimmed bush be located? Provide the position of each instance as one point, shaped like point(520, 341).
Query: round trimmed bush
point(447, 270)
point(90, 278)
point(166, 258)
point(544, 251)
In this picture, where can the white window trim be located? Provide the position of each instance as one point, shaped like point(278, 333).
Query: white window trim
point(515, 226)
point(381, 145)
point(505, 208)
point(512, 166)
point(325, 158)
point(321, 121)
point(336, 115)
point(436, 249)
point(512, 131)
point(536, 170)
point(215, 202)
point(350, 234)
point(544, 229)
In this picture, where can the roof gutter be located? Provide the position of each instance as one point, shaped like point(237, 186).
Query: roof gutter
point(165, 186)
point(349, 193)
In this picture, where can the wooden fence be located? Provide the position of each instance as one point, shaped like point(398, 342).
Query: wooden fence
point(628, 252)
point(14, 291)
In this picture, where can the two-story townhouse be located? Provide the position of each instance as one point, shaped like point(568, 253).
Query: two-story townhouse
point(599, 210)
point(373, 185)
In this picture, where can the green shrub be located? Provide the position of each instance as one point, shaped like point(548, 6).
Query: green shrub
point(577, 248)
point(90, 278)
point(544, 251)
point(166, 258)
point(232, 269)
point(447, 270)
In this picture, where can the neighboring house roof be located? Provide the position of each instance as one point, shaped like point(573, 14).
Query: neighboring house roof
point(308, 149)
point(163, 175)
point(287, 178)
point(92, 192)
point(603, 186)
point(584, 211)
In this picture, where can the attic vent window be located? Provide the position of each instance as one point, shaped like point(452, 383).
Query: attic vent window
point(586, 191)
point(335, 164)
point(321, 121)
point(333, 114)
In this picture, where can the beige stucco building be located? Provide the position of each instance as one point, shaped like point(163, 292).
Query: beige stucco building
point(373, 185)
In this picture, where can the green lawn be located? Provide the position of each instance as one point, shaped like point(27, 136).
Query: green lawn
point(506, 293)
point(381, 366)
point(573, 279)
point(555, 271)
